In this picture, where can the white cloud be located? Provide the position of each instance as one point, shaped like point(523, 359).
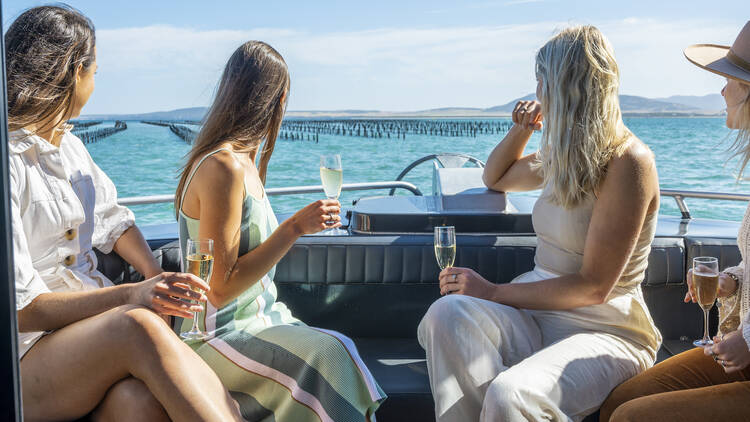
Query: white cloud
point(162, 67)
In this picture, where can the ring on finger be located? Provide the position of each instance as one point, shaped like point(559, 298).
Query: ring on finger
point(723, 363)
point(455, 276)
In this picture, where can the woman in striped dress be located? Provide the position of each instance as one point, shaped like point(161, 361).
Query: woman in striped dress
point(274, 365)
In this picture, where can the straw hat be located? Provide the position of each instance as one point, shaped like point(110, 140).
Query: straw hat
point(731, 62)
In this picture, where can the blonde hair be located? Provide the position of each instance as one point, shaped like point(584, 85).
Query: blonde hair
point(579, 95)
point(741, 145)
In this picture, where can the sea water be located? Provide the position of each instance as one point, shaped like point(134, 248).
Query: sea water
point(691, 153)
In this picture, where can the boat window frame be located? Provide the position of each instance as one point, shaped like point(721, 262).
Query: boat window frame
point(11, 408)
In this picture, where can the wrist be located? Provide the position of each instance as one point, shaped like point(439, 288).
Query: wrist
point(735, 282)
point(496, 291)
point(292, 227)
point(518, 129)
point(127, 293)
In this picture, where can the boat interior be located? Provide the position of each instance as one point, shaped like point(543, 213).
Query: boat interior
point(376, 283)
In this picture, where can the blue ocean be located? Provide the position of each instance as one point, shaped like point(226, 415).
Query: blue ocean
point(691, 153)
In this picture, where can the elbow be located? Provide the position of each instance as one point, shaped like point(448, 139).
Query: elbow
point(598, 297)
point(488, 181)
point(596, 291)
point(218, 298)
point(485, 178)
point(31, 318)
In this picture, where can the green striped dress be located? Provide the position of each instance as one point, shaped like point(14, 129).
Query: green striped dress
point(274, 365)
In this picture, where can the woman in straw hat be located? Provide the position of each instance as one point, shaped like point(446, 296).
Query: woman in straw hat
point(711, 383)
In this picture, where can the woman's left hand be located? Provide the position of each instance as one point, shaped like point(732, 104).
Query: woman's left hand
point(731, 352)
point(465, 281)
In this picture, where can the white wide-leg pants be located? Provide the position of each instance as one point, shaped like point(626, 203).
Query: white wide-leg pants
point(493, 362)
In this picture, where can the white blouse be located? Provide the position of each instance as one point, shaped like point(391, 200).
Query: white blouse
point(63, 205)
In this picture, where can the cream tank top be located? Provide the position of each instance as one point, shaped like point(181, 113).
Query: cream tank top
point(561, 237)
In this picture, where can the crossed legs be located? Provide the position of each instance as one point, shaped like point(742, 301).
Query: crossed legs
point(98, 361)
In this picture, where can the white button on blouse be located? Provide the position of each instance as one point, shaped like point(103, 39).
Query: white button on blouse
point(63, 205)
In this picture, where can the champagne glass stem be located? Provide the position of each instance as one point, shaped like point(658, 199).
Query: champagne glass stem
point(195, 328)
point(706, 339)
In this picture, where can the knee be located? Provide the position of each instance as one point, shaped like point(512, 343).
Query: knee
point(631, 411)
point(502, 395)
point(442, 315)
point(621, 395)
point(130, 399)
point(138, 326)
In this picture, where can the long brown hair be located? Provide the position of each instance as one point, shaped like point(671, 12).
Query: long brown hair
point(247, 109)
point(44, 47)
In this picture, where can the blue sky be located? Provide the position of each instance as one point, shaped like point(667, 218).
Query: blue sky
point(387, 55)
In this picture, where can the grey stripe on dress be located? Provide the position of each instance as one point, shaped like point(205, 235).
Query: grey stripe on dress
point(251, 409)
point(286, 362)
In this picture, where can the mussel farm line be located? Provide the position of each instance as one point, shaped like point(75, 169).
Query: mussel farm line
point(84, 124)
point(309, 130)
point(184, 132)
point(177, 127)
point(96, 135)
point(166, 123)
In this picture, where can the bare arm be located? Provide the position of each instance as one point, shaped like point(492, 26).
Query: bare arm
point(627, 195)
point(50, 311)
point(134, 249)
point(163, 294)
point(219, 189)
point(507, 169)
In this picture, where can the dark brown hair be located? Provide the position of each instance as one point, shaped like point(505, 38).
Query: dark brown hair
point(43, 48)
point(247, 109)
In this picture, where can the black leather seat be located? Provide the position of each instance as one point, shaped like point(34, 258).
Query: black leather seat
point(376, 289)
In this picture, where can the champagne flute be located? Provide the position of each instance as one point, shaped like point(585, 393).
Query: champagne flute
point(706, 287)
point(332, 176)
point(200, 262)
point(445, 246)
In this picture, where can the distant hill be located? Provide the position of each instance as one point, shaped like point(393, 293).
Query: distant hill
point(710, 102)
point(634, 105)
point(192, 113)
point(508, 107)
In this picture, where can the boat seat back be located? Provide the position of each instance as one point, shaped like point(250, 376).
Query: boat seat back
point(376, 289)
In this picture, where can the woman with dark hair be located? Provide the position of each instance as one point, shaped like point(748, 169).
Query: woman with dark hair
point(711, 383)
point(86, 346)
point(277, 367)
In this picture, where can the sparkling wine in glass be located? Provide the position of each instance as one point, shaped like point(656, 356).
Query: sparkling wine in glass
point(706, 287)
point(445, 246)
point(332, 177)
point(200, 262)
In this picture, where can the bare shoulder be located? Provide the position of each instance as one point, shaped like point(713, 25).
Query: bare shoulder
point(220, 170)
point(637, 160)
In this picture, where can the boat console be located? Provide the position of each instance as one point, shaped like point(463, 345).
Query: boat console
point(459, 199)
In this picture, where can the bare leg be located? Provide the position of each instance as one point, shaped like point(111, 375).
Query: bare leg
point(129, 400)
point(67, 374)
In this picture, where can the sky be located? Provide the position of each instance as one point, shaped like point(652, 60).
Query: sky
point(387, 55)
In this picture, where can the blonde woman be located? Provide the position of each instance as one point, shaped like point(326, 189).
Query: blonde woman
point(554, 342)
point(712, 383)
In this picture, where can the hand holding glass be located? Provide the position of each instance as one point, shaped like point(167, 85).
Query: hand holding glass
point(332, 177)
point(706, 287)
point(200, 263)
